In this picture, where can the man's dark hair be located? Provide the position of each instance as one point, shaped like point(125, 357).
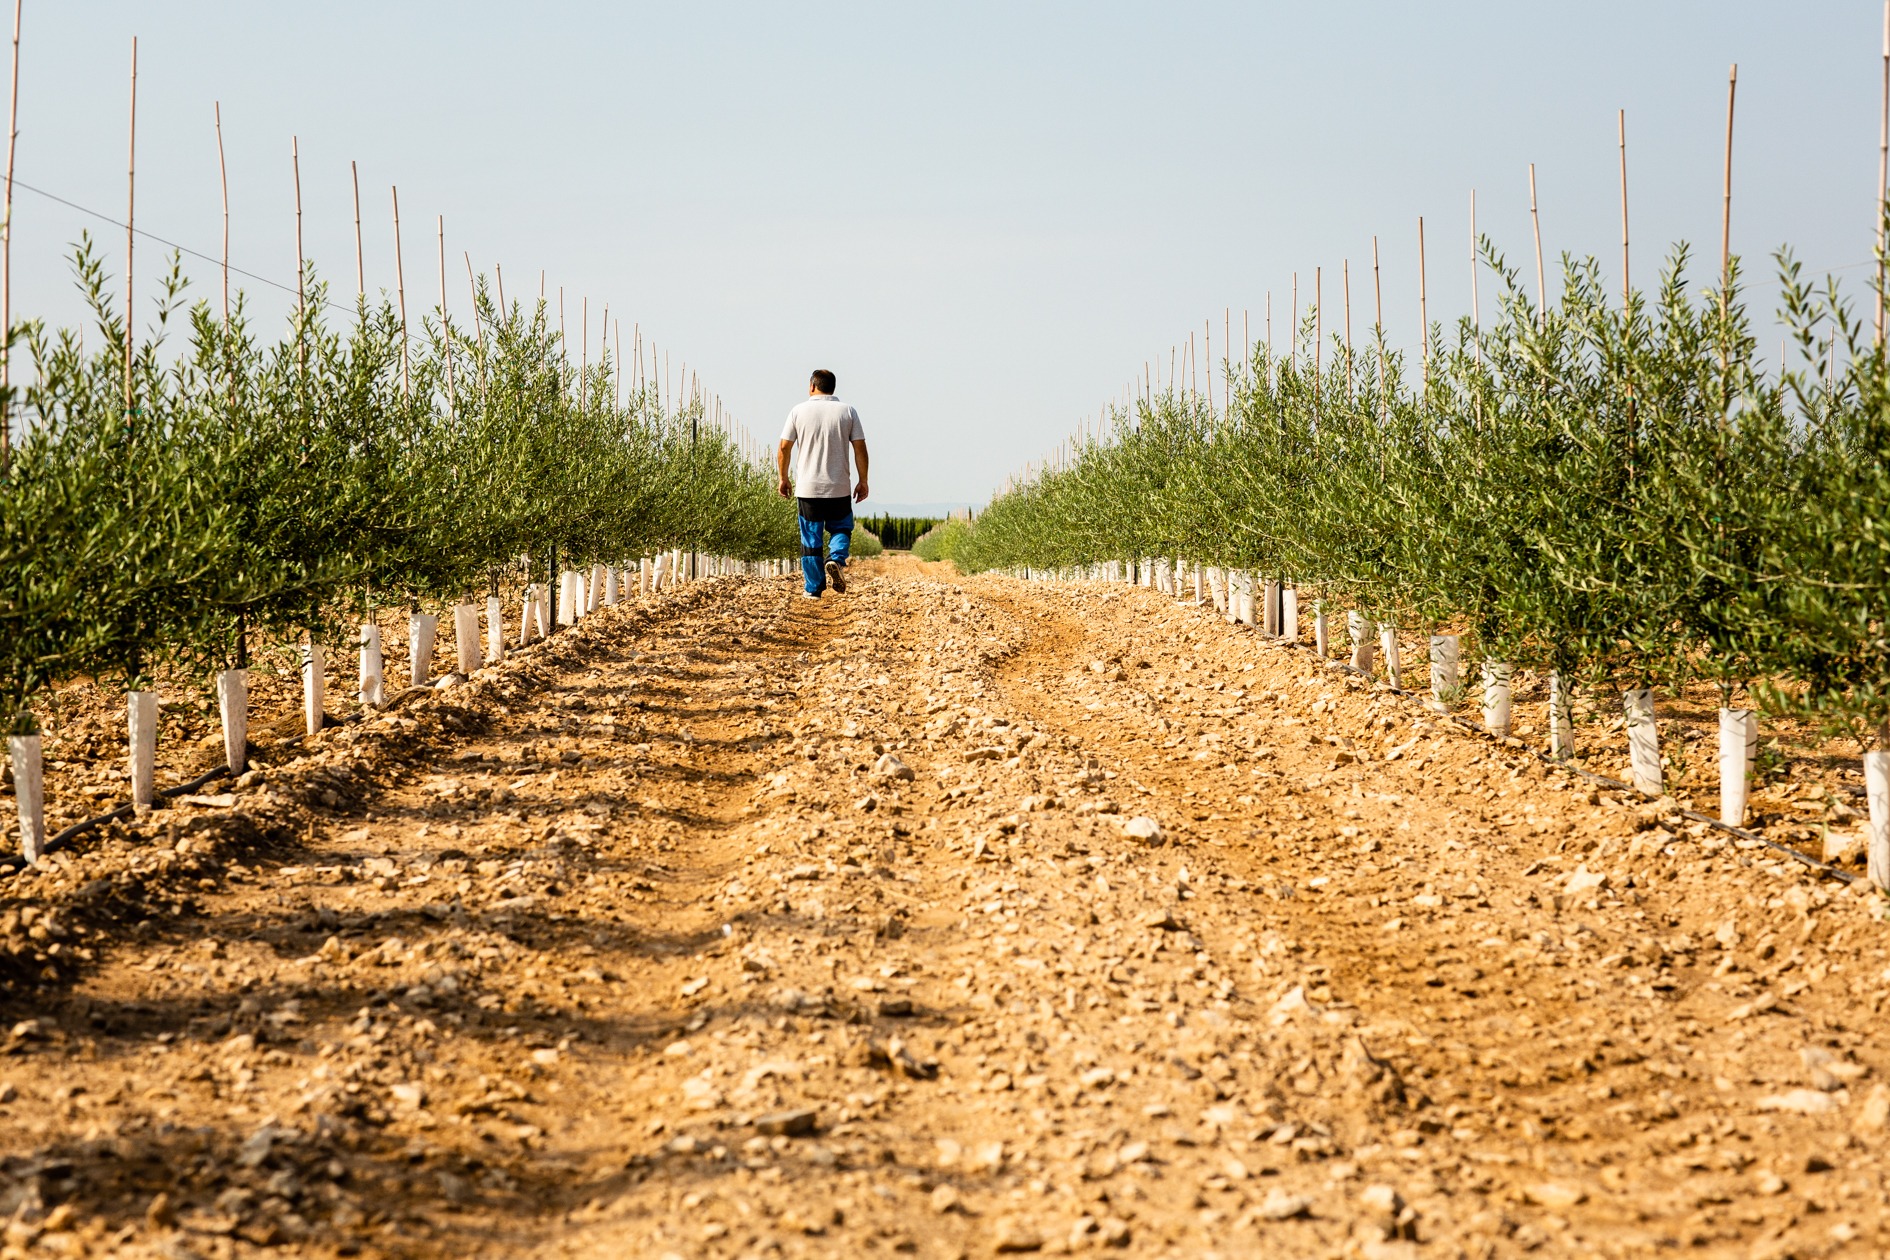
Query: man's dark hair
point(823, 380)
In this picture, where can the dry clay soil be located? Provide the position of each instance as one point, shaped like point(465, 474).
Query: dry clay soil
point(1166, 938)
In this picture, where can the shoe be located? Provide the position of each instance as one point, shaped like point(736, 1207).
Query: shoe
point(836, 577)
point(807, 594)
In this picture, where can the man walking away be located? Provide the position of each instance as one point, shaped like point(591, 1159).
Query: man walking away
point(814, 444)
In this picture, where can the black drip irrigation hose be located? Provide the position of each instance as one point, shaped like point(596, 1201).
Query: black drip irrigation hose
point(14, 863)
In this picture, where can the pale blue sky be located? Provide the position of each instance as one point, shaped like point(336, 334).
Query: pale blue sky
point(983, 216)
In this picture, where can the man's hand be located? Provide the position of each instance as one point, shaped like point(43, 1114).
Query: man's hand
point(859, 493)
point(781, 456)
point(859, 466)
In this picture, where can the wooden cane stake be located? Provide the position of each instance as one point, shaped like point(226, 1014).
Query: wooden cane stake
point(1627, 290)
point(131, 205)
point(400, 292)
point(6, 255)
point(301, 292)
point(1883, 159)
point(1725, 214)
point(446, 330)
point(1535, 220)
point(360, 255)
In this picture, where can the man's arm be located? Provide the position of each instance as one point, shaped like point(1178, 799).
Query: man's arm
point(781, 465)
point(859, 462)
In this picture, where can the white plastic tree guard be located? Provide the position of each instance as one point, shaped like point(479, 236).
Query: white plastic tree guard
point(610, 587)
point(422, 628)
point(570, 597)
point(1217, 588)
point(594, 597)
point(1388, 644)
point(141, 712)
point(29, 794)
point(233, 701)
point(373, 691)
point(466, 638)
point(1496, 697)
point(527, 617)
point(1320, 637)
point(1270, 608)
point(541, 609)
point(1446, 681)
point(1561, 720)
point(1643, 740)
point(314, 687)
point(1877, 795)
point(1359, 630)
point(1738, 741)
point(1289, 615)
point(495, 630)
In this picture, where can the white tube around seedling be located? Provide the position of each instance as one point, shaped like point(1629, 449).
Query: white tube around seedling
point(1446, 681)
point(1738, 741)
point(1320, 637)
point(1363, 649)
point(233, 702)
point(1388, 643)
point(373, 689)
point(141, 713)
point(610, 587)
point(1877, 798)
point(600, 577)
point(1496, 697)
point(421, 630)
point(466, 637)
point(1270, 608)
point(495, 630)
point(541, 609)
point(1217, 588)
point(1289, 615)
point(29, 794)
point(1561, 720)
point(1643, 740)
point(314, 687)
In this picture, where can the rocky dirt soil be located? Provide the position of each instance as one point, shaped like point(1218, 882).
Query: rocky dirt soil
point(948, 917)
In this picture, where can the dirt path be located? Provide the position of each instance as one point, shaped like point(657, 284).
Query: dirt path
point(1174, 941)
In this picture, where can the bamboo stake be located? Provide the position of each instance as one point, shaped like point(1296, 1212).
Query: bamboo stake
point(1423, 305)
point(1883, 157)
point(498, 276)
point(6, 255)
point(1318, 330)
point(1207, 348)
point(1725, 214)
point(223, 176)
point(1227, 347)
point(1378, 334)
point(301, 294)
point(1345, 280)
point(479, 323)
point(1293, 344)
point(446, 331)
point(584, 349)
point(400, 290)
point(1627, 291)
point(360, 262)
point(1476, 313)
point(1535, 219)
point(131, 205)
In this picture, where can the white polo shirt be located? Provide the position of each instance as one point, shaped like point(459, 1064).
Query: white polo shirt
point(821, 429)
